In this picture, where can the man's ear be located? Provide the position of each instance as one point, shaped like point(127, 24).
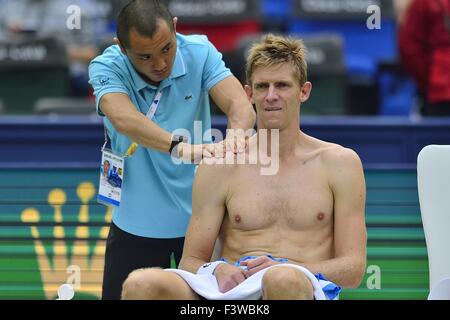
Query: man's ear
point(249, 92)
point(175, 20)
point(306, 91)
point(122, 48)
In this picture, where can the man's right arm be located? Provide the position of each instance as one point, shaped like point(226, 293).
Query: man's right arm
point(208, 210)
point(125, 118)
point(114, 102)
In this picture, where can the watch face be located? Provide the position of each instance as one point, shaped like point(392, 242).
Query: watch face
point(178, 138)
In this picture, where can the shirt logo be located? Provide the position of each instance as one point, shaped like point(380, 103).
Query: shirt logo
point(104, 81)
point(206, 265)
point(189, 97)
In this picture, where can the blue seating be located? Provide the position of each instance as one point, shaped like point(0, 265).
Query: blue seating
point(279, 9)
point(396, 93)
point(363, 48)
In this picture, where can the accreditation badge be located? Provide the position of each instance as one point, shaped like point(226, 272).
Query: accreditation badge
point(111, 177)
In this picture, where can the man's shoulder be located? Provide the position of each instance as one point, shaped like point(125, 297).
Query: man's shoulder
point(210, 168)
point(212, 177)
point(112, 56)
point(196, 46)
point(195, 40)
point(333, 155)
point(340, 162)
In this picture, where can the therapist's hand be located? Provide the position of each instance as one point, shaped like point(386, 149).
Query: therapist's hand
point(194, 153)
point(233, 144)
point(236, 141)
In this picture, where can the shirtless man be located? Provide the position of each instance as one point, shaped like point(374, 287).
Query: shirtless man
point(279, 229)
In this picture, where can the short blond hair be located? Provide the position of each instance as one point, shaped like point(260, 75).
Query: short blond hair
point(272, 50)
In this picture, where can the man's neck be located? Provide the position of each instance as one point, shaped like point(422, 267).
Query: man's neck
point(149, 81)
point(288, 140)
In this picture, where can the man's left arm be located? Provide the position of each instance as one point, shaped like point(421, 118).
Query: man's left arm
point(230, 97)
point(347, 182)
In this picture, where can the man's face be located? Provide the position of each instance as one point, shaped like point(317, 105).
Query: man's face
point(277, 94)
point(153, 58)
point(105, 168)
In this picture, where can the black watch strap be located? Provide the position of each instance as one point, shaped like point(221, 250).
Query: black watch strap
point(176, 139)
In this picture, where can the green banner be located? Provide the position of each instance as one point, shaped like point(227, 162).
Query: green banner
point(52, 231)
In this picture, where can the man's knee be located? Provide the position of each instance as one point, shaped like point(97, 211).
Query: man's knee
point(286, 283)
point(144, 284)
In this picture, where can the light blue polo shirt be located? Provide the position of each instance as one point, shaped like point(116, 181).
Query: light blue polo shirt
point(156, 193)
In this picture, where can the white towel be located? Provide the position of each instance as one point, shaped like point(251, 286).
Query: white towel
point(250, 289)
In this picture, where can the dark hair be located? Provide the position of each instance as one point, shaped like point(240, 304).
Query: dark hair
point(143, 16)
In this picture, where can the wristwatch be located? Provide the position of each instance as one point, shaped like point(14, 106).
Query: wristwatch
point(176, 139)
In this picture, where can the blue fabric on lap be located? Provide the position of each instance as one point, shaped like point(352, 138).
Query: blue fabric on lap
point(330, 289)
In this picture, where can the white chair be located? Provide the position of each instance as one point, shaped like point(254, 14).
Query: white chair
point(433, 180)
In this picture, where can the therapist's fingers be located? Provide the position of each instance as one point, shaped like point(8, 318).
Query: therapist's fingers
point(240, 144)
point(221, 148)
point(236, 144)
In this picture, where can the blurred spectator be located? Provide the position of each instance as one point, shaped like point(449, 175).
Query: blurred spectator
point(424, 43)
point(22, 20)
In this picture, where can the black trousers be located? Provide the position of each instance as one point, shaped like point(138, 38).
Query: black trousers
point(126, 252)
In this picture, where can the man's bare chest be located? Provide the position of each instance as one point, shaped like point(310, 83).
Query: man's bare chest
point(298, 199)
